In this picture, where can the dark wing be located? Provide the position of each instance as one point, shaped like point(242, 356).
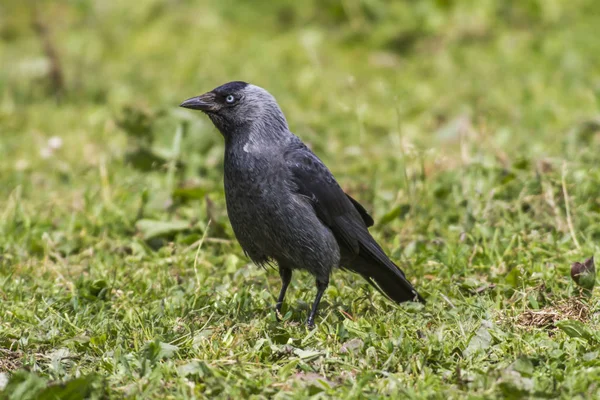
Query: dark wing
point(368, 220)
point(348, 221)
point(341, 213)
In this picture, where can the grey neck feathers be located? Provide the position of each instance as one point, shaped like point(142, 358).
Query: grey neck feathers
point(259, 121)
point(270, 124)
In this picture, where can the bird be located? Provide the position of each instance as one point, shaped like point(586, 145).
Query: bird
point(284, 204)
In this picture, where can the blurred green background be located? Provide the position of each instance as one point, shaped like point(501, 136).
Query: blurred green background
point(470, 130)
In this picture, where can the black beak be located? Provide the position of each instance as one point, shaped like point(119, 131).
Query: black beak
point(204, 102)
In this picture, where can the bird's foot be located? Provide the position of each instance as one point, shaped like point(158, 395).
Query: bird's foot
point(278, 312)
point(310, 323)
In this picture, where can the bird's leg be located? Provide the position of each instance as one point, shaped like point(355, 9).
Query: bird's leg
point(321, 286)
point(286, 277)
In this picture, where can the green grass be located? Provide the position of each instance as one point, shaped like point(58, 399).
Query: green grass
point(469, 129)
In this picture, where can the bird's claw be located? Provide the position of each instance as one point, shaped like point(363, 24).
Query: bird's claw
point(278, 312)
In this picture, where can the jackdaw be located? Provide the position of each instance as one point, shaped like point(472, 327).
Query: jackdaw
point(283, 202)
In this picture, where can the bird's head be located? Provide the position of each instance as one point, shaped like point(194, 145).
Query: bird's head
point(238, 107)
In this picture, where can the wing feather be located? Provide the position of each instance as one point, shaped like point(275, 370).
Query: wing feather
point(349, 222)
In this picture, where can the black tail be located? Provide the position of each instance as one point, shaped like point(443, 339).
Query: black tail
point(387, 279)
point(374, 265)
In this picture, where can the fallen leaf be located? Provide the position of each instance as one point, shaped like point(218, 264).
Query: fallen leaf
point(480, 341)
point(149, 228)
point(584, 274)
point(351, 346)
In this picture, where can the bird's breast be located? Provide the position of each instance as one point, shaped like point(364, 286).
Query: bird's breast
point(270, 219)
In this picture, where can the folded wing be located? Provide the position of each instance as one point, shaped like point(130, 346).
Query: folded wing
point(348, 220)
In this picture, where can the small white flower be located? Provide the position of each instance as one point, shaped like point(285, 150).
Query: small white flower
point(55, 143)
point(46, 152)
point(21, 165)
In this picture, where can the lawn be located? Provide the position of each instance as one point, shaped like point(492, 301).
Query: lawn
point(469, 129)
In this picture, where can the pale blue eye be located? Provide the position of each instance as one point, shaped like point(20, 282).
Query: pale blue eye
point(230, 99)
